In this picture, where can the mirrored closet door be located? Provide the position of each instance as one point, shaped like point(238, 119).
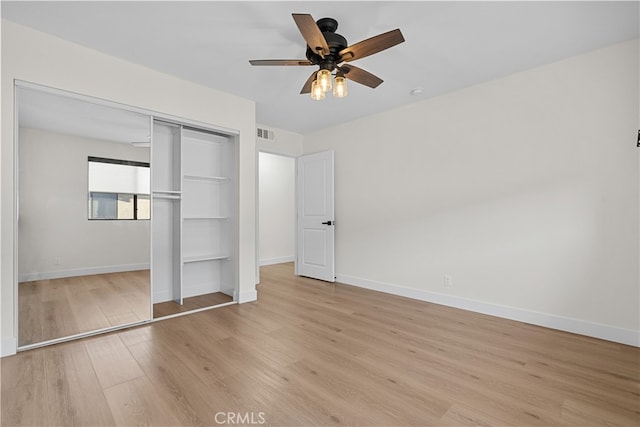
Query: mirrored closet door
point(122, 217)
point(84, 208)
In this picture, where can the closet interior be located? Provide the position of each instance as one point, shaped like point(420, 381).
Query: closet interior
point(193, 191)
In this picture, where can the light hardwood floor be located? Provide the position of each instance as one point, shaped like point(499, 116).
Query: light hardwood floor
point(168, 308)
point(313, 353)
point(58, 308)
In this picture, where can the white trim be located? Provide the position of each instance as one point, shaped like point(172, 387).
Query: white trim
point(161, 296)
point(279, 260)
point(276, 152)
point(151, 220)
point(58, 274)
point(195, 310)
point(576, 326)
point(113, 104)
point(296, 185)
point(247, 296)
point(257, 217)
point(16, 216)
point(9, 347)
point(82, 335)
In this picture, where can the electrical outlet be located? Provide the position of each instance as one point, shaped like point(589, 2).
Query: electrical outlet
point(447, 281)
point(57, 260)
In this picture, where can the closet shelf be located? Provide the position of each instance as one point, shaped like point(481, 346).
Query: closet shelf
point(201, 258)
point(167, 194)
point(206, 178)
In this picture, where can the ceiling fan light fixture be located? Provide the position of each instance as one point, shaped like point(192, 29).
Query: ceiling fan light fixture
point(329, 51)
point(324, 79)
point(317, 93)
point(340, 86)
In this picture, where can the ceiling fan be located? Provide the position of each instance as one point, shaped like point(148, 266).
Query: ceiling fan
point(330, 51)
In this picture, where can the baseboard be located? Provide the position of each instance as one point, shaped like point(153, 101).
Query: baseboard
point(576, 326)
point(279, 260)
point(247, 296)
point(9, 347)
point(199, 289)
point(59, 274)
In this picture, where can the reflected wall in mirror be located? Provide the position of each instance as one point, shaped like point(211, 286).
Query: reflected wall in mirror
point(83, 258)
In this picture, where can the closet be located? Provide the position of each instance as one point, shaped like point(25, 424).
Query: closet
point(90, 258)
point(193, 185)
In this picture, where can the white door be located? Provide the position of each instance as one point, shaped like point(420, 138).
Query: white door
point(314, 221)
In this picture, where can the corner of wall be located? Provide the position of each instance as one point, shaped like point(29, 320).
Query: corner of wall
point(247, 296)
point(284, 142)
point(9, 347)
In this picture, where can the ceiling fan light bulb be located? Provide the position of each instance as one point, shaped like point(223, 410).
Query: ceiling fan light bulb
point(324, 79)
point(317, 93)
point(340, 87)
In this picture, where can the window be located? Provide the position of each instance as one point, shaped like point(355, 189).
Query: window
point(119, 206)
point(118, 189)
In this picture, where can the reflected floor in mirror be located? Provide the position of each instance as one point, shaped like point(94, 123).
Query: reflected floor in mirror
point(168, 308)
point(58, 308)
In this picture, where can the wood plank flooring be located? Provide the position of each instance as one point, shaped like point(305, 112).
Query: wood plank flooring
point(312, 353)
point(168, 308)
point(56, 308)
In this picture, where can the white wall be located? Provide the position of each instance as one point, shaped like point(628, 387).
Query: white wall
point(285, 142)
point(54, 220)
point(39, 58)
point(523, 189)
point(277, 208)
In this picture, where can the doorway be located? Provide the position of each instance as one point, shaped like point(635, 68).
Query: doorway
point(276, 195)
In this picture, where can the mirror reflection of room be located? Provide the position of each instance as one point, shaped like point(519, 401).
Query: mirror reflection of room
point(83, 223)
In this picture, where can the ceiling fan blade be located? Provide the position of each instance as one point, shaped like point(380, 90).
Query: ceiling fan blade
point(280, 62)
point(311, 33)
point(372, 45)
point(361, 76)
point(307, 86)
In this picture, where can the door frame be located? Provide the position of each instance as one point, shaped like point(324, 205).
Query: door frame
point(275, 153)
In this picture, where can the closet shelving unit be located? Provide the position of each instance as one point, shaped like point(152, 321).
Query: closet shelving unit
point(202, 192)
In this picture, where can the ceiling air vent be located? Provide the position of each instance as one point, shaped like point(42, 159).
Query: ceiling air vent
point(266, 134)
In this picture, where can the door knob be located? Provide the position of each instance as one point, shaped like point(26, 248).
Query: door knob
point(327, 223)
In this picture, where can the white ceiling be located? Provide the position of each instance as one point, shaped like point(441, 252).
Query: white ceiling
point(449, 45)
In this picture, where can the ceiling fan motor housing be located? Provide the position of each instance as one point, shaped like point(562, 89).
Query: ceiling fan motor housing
point(335, 41)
